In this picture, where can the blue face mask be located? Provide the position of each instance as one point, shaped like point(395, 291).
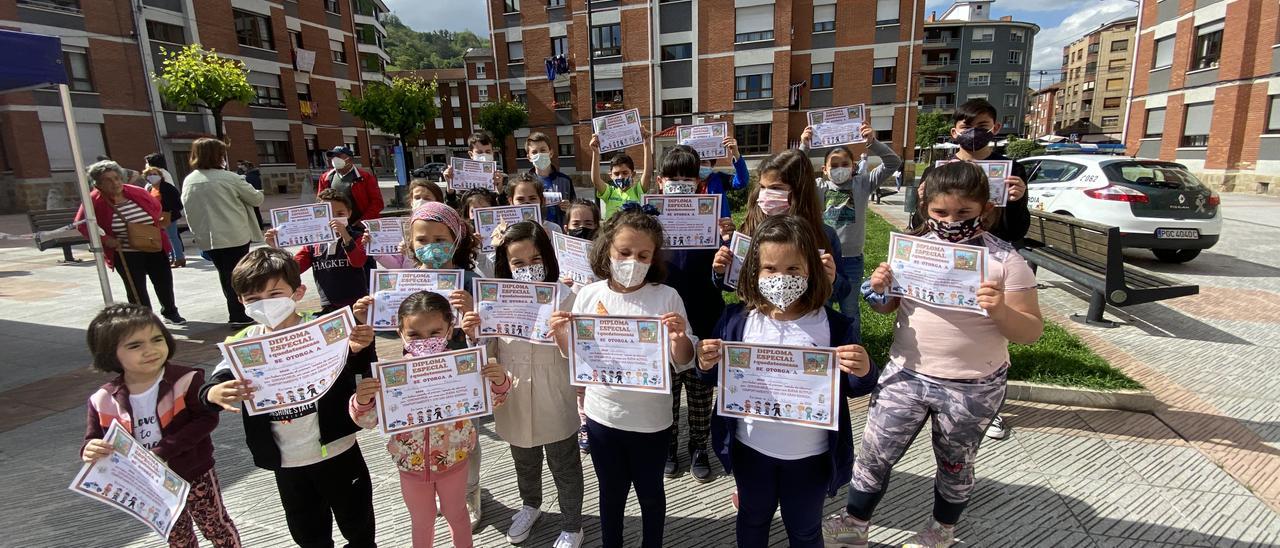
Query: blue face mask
point(621, 183)
point(704, 172)
point(435, 255)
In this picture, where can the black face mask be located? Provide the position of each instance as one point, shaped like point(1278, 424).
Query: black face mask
point(974, 139)
point(583, 232)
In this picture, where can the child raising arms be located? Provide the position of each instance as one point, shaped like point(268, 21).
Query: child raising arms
point(158, 403)
point(945, 366)
point(629, 431)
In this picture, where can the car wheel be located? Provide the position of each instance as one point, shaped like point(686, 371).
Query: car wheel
point(1175, 255)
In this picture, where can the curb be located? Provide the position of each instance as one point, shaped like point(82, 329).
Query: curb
point(1138, 401)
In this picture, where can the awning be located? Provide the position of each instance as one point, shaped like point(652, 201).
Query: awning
point(1051, 138)
point(30, 61)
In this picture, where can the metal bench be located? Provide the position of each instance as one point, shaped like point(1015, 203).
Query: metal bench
point(52, 228)
point(1090, 254)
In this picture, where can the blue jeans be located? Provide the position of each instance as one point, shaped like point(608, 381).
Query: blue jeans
point(851, 267)
point(175, 239)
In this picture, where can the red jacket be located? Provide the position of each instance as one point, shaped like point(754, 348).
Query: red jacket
point(185, 423)
point(104, 213)
point(364, 191)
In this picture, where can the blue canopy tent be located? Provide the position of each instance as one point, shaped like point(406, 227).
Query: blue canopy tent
point(34, 61)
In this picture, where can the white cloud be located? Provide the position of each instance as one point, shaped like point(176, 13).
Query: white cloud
point(432, 15)
point(1050, 41)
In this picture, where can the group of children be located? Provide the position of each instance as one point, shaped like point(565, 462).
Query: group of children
point(799, 285)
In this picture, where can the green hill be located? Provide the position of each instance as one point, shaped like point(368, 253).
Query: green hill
point(410, 49)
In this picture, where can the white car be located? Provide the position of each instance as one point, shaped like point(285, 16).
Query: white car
point(1157, 205)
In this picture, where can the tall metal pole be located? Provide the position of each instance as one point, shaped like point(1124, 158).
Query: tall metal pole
point(591, 60)
point(1133, 68)
point(82, 184)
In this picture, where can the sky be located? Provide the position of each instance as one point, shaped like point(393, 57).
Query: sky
point(1060, 21)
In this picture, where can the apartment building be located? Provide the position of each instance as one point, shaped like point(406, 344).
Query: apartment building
point(303, 57)
point(1207, 102)
point(969, 55)
point(1041, 109)
point(757, 64)
point(1095, 82)
point(447, 135)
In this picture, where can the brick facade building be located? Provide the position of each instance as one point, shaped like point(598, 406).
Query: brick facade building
point(446, 135)
point(1041, 110)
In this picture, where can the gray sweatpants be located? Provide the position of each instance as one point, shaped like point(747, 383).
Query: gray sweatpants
point(958, 412)
point(565, 463)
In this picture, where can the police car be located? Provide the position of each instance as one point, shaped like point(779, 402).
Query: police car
point(1157, 205)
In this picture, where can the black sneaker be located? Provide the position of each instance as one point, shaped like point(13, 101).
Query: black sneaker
point(700, 469)
point(240, 323)
point(174, 319)
point(673, 464)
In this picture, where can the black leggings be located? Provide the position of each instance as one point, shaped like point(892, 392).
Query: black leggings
point(225, 259)
point(140, 266)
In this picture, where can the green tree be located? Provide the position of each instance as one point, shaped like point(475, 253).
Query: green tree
point(402, 109)
point(195, 77)
point(503, 117)
point(929, 125)
point(1022, 148)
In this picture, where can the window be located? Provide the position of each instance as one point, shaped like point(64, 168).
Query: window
point(68, 6)
point(339, 52)
point(515, 52)
point(1164, 52)
point(563, 100)
point(1088, 86)
point(267, 91)
point(982, 96)
point(1116, 65)
point(304, 91)
point(884, 135)
point(609, 96)
point(824, 18)
point(1112, 102)
point(677, 106)
point(555, 3)
point(753, 24)
point(519, 96)
point(559, 45)
point(58, 146)
point(1195, 126)
point(565, 149)
point(1119, 45)
point(1115, 84)
point(1093, 48)
point(275, 152)
point(164, 32)
point(979, 79)
point(753, 82)
point(1110, 121)
point(753, 139)
point(295, 38)
point(1009, 121)
point(984, 34)
point(457, 122)
point(980, 57)
point(253, 30)
point(1273, 115)
point(1208, 46)
point(606, 41)
point(480, 72)
point(331, 6)
point(1052, 171)
point(439, 123)
point(676, 52)
point(1015, 57)
point(1011, 99)
point(886, 12)
point(884, 71)
point(510, 6)
point(78, 75)
point(1013, 78)
point(1017, 36)
point(484, 94)
point(820, 77)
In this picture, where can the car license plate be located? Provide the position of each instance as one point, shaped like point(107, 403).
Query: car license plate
point(1177, 234)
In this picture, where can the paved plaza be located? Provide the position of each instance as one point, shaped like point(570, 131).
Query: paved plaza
point(1203, 470)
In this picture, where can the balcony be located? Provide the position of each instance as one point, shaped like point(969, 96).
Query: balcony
point(940, 65)
point(373, 49)
point(937, 87)
point(938, 107)
point(942, 42)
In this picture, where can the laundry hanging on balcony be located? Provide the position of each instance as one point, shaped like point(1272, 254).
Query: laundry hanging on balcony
point(556, 65)
point(793, 98)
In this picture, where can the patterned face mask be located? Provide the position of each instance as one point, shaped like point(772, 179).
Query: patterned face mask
point(621, 183)
point(955, 231)
point(676, 186)
point(425, 347)
point(531, 273)
point(782, 290)
point(436, 254)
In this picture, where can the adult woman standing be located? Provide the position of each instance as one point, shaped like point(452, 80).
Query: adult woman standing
point(124, 213)
point(219, 206)
point(170, 199)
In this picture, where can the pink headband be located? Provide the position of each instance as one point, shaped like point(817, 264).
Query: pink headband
point(440, 213)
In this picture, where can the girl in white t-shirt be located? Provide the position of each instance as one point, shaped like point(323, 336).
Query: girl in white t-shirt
point(947, 366)
point(629, 430)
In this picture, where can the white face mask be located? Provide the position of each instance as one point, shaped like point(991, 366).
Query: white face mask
point(531, 273)
point(541, 160)
point(271, 312)
point(483, 157)
point(418, 203)
point(339, 163)
point(153, 179)
point(783, 289)
point(628, 273)
point(342, 221)
point(841, 174)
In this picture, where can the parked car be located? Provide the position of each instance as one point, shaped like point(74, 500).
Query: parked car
point(1157, 205)
point(433, 171)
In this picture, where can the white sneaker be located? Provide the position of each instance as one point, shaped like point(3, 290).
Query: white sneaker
point(474, 509)
point(522, 524)
point(934, 535)
point(997, 430)
point(568, 540)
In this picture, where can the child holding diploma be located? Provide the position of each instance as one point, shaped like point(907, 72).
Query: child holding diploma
point(629, 431)
point(432, 461)
point(781, 464)
point(158, 403)
point(945, 366)
point(312, 449)
point(338, 266)
point(540, 415)
point(527, 189)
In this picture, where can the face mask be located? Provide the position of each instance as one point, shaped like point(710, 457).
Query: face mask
point(955, 231)
point(483, 157)
point(621, 183)
point(841, 174)
point(271, 312)
point(342, 221)
point(417, 203)
point(154, 179)
point(628, 273)
point(704, 172)
point(339, 164)
point(541, 160)
point(783, 289)
point(425, 347)
point(435, 255)
point(583, 232)
point(774, 202)
point(531, 273)
point(675, 186)
point(974, 139)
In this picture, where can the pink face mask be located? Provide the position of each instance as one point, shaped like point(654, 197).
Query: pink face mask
point(773, 202)
point(425, 347)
